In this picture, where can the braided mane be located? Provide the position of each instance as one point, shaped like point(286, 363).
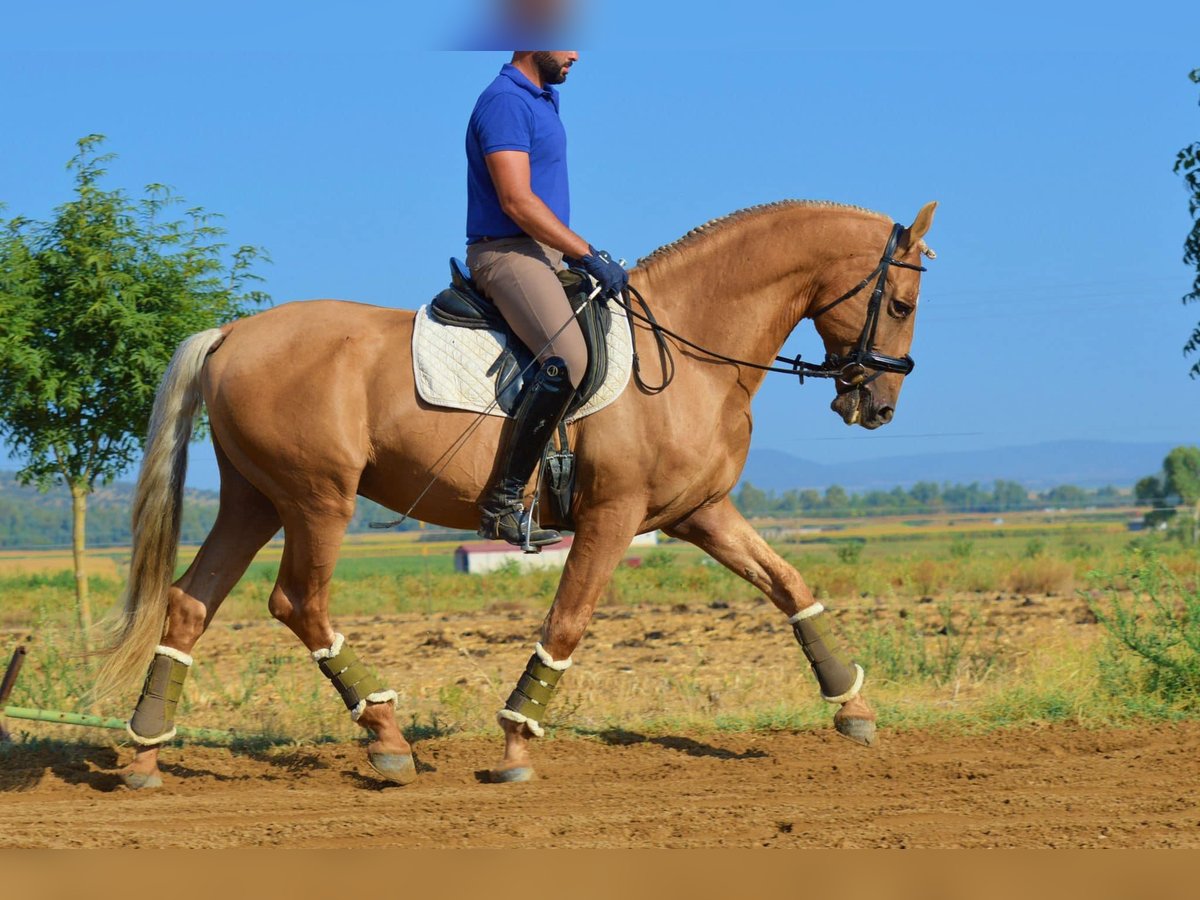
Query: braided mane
point(719, 224)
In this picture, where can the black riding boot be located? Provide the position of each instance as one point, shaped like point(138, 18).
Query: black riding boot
point(541, 407)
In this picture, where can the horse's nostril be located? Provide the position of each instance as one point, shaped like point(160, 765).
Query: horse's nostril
point(885, 413)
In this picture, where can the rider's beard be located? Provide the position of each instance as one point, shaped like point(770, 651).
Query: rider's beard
point(551, 70)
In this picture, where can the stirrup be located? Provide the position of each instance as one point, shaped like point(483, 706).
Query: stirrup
point(513, 523)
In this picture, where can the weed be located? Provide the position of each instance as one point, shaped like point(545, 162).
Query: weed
point(1158, 628)
point(1041, 575)
point(940, 651)
point(850, 552)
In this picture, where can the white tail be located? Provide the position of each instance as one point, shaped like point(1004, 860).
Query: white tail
point(137, 626)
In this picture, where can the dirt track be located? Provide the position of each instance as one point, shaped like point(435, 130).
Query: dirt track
point(1052, 787)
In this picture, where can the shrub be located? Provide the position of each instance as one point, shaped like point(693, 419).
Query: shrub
point(850, 552)
point(1156, 630)
point(928, 578)
point(1042, 575)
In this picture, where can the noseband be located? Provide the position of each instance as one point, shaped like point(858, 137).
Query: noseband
point(863, 364)
point(858, 368)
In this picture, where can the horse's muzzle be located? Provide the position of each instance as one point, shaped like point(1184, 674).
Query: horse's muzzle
point(858, 407)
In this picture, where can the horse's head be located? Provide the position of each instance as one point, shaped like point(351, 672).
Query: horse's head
point(868, 331)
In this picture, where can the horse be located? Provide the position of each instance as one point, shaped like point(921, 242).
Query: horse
point(312, 404)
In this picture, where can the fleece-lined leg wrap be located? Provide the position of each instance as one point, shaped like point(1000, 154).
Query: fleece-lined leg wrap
point(528, 701)
point(356, 684)
point(153, 720)
point(839, 681)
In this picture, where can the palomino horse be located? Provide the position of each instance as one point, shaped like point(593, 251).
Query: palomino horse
point(312, 404)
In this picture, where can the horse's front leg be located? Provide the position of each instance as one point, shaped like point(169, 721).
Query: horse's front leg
point(722, 533)
point(600, 542)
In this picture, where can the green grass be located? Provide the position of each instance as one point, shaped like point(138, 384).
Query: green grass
point(931, 665)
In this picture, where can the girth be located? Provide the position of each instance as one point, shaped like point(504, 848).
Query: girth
point(462, 305)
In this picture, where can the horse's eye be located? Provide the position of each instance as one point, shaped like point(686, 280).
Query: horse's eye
point(898, 309)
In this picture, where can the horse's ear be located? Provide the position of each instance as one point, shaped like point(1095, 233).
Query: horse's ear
point(913, 234)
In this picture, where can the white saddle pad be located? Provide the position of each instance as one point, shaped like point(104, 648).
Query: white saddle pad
point(451, 363)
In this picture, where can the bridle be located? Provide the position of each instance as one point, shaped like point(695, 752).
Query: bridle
point(853, 367)
point(858, 368)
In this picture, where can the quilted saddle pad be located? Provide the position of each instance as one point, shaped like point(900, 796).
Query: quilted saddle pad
point(451, 364)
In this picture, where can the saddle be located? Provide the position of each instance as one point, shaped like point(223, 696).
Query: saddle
point(463, 305)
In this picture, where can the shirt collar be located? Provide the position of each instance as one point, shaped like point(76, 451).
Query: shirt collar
point(518, 78)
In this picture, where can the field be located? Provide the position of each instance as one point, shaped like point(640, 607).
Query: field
point(1009, 715)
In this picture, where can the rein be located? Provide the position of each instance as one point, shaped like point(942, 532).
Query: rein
point(849, 369)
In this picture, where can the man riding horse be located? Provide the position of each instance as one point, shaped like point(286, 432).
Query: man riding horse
point(518, 237)
point(726, 297)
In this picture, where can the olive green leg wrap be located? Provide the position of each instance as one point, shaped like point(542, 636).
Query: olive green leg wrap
point(528, 701)
point(153, 720)
point(839, 681)
point(356, 684)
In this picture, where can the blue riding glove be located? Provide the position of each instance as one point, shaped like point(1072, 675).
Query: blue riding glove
point(611, 277)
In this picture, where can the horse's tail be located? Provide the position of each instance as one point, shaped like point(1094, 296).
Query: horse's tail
point(137, 625)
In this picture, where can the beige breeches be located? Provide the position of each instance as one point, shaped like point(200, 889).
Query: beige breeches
point(518, 275)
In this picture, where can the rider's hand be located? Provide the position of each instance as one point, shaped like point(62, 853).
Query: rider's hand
point(611, 277)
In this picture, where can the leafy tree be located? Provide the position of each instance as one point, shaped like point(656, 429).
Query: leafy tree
point(927, 494)
point(1187, 164)
point(92, 306)
point(1178, 485)
point(1010, 495)
point(837, 501)
point(751, 500)
point(1066, 495)
point(1182, 471)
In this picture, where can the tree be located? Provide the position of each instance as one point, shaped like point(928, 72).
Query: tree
point(1010, 495)
point(1066, 495)
point(1177, 486)
point(1187, 164)
point(751, 500)
point(1182, 471)
point(92, 306)
point(837, 501)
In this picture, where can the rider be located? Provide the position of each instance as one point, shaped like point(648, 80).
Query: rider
point(518, 209)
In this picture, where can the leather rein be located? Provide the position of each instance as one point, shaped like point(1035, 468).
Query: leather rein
point(859, 367)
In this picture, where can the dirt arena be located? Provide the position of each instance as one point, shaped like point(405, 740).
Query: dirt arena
point(1049, 786)
point(1054, 787)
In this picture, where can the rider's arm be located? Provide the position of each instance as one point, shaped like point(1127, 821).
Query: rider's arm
point(510, 175)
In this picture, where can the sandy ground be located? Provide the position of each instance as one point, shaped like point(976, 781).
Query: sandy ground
point(1052, 787)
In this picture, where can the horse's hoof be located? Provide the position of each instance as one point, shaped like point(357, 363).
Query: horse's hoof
point(861, 731)
point(137, 781)
point(398, 768)
point(515, 775)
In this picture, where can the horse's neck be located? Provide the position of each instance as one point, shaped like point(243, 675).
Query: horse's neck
point(742, 292)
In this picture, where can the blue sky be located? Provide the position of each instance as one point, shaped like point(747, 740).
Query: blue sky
point(1051, 313)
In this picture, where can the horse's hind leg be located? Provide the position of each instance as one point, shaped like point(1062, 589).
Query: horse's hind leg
point(722, 533)
point(246, 520)
point(312, 539)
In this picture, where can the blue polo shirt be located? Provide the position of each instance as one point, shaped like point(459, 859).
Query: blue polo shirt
point(514, 114)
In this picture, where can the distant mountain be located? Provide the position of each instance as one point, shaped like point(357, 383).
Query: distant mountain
point(1036, 466)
